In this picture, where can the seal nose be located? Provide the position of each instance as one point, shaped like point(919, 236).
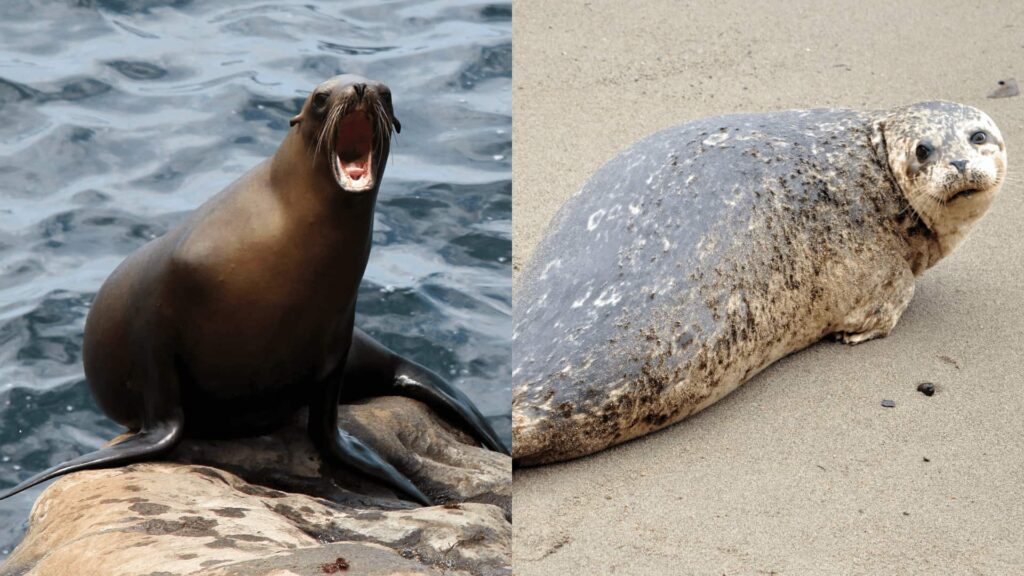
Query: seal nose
point(360, 90)
point(960, 165)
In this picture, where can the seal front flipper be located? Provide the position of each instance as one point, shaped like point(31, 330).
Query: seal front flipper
point(877, 317)
point(348, 450)
point(156, 440)
point(374, 370)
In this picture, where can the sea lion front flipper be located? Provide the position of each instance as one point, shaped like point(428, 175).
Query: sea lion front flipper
point(348, 450)
point(374, 370)
point(147, 443)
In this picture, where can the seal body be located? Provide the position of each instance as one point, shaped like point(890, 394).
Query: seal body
point(703, 253)
point(230, 323)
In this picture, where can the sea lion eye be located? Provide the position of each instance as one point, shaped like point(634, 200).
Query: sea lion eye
point(979, 137)
point(319, 99)
point(923, 151)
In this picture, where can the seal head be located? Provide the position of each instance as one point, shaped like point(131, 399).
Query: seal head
point(948, 160)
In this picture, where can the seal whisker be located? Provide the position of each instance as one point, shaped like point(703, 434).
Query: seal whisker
point(912, 196)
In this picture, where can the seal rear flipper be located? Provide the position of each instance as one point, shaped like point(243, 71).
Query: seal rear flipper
point(374, 370)
point(147, 443)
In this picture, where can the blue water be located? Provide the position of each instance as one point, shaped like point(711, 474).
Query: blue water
point(117, 117)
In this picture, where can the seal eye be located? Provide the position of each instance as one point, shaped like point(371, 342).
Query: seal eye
point(923, 151)
point(319, 99)
point(979, 137)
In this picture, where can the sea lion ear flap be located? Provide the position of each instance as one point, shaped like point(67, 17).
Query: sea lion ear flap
point(295, 119)
point(397, 124)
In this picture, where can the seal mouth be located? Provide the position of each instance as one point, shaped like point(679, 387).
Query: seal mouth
point(966, 193)
point(353, 152)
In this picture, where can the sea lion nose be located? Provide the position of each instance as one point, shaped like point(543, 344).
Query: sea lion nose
point(960, 165)
point(360, 89)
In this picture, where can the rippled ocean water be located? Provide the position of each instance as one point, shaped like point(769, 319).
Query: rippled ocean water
point(117, 117)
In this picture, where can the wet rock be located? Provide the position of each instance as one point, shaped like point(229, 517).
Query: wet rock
point(270, 506)
point(926, 388)
point(888, 404)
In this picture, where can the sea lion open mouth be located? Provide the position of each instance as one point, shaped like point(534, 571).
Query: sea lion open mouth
point(353, 152)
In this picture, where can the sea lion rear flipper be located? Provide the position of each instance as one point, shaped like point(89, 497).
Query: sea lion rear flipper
point(352, 452)
point(348, 450)
point(148, 443)
point(374, 370)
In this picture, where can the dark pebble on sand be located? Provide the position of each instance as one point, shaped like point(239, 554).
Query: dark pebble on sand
point(926, 388)
point(888, 404)
point(1005, 89)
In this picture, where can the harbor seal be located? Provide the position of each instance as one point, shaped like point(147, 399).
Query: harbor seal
point(707, 251)
point(230, 323)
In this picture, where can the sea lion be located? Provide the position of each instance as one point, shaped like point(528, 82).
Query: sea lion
point(705, 252)
point(233, 321)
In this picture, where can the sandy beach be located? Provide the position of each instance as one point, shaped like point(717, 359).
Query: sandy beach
point(800, 471)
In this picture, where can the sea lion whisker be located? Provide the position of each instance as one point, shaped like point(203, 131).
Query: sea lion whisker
point(319, 140)
point(382, 129)
point(386, 127)
point(326, 131)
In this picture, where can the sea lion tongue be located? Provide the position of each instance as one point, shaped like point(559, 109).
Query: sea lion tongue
point(355, 171)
